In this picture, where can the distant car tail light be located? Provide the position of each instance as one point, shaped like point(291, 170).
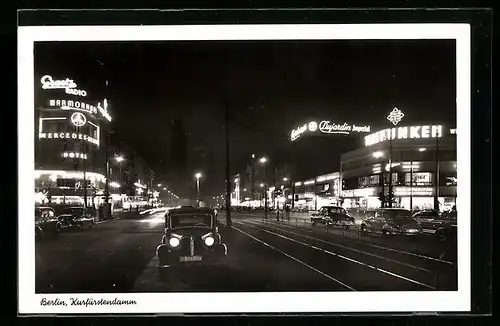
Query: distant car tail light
point(209, 241)
point(174, 242)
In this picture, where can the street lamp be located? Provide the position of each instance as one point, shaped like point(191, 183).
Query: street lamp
point(378, 154)
point(263, 160)
point(198, 176)
point(119, 159)
point(159, 185)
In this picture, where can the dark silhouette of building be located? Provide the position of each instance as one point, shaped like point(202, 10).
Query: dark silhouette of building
point(178, 152)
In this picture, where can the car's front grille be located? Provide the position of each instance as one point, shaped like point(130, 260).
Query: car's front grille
point(192, 246)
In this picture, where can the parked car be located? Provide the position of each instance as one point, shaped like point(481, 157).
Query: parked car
point(46, 223)
point(443, 225)
point(391, 221)
point(332, 215)
point(191, 238)
point(77, 217)
point(426, 214)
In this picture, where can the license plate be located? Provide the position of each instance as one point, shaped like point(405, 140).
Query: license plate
point(190, 258)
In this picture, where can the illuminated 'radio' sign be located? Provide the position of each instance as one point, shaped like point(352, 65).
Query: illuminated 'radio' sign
point(68, 84)
point(411, 132)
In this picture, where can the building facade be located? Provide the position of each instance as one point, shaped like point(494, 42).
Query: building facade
point(70, 142)
point(412, 167)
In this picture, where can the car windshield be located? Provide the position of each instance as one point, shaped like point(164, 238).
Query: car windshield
point(398, 214)
point(73, 211)
point(336, 210)
point(191, 220)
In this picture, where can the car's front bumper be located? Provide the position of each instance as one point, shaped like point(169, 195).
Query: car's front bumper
point(169, 257)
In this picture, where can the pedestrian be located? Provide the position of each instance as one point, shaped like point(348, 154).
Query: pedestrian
point(287, 212)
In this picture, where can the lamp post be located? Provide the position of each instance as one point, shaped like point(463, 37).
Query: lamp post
point(263, 160)
point(119, 159)
point(285, 179)
point(378, 155)
point(198, 176)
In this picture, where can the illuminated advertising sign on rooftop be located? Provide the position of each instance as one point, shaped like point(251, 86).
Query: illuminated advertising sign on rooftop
point(327, 127)
point(409, 132)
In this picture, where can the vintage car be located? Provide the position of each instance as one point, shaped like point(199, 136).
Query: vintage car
point(77, 217)
point(391, 221)
point(332, 215)
point(443, 226)
point(191, 239)
point(426, 214)
point(46, 223)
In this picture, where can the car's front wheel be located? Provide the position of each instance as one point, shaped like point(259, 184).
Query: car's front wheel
point(364, 229)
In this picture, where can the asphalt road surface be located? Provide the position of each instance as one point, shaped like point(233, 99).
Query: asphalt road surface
point(263, 255)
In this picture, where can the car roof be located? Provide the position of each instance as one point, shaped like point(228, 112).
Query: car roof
point(44, 207)
point(392, 209)
point(332, 206)
point(190, 210)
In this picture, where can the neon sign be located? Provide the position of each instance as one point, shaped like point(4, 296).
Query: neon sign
point(49, 83)
point(104, 109)
point(411, 132)
point(73, 105)
point(327, 127)
point(74, 91)
point(82, 106)
point(67, 135)
point(395, 116)
point(78, 119)
point(74, 155)
point(68, 84)
point(312, 126)
point(297, 132)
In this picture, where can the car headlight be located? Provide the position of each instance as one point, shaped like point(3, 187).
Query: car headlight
point(174, 242)
point(209, 241)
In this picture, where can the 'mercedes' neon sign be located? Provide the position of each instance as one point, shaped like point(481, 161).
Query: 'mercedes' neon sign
point(410, 132)
point(67, 135)
point(327, 127)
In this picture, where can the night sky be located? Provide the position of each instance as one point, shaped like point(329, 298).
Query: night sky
point(270, 87)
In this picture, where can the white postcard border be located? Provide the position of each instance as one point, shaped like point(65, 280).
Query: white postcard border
point(30, 303)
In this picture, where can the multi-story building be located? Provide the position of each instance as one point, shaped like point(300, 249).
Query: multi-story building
point(410, 166)
point(70, 143)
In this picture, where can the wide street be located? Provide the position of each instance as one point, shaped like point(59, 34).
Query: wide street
point(263, 255)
